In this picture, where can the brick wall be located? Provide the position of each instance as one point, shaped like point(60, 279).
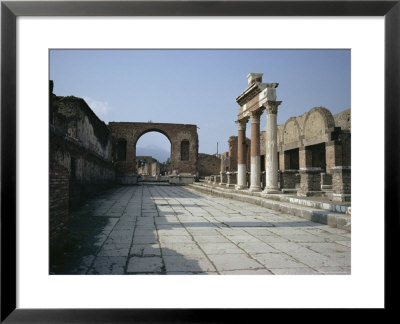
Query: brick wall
point(208, 165)
point(58, 198)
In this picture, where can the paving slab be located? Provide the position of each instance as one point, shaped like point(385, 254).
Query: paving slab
point(152, 264)
point(145, 250)
point(220, 248)
point(181, 263)
point(278, 260)
point(146, 239)
point(111, 249)
point(240, 261)
point(108, 265)
point(185, 249)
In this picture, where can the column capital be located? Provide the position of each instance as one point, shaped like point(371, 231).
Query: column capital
point(241, 124)
point(272, 107)
point(255, 116)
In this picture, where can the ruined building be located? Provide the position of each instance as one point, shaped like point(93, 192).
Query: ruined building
point(80, 155)
point(309, 154)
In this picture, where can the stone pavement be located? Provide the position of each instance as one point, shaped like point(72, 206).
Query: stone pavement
point(150, 229)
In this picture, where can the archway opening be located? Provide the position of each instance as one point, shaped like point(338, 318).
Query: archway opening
point(153, 155)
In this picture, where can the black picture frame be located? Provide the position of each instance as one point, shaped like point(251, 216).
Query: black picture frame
point(10, 10)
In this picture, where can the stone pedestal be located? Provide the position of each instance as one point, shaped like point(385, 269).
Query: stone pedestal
point(217, 179)
point(326, 181)
point(288, 179)
point(310, 182)
point(223, 178)
point(341, 183)
point(231, 179)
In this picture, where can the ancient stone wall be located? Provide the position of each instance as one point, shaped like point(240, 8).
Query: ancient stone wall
point(343, 120)
point(58, 198)
point(82, 143)
point(72, 116)
point(183, 138)
point(208, 165)
point(225, 162)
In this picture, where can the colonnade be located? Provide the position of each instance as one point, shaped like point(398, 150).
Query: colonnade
point(271, 161)
point(253, 101)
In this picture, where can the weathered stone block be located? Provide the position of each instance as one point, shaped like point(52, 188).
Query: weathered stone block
point(310, 182)
point(223, 178)
point(341, 183)
point(181, 179)
point(288, 179)
point(231, 178)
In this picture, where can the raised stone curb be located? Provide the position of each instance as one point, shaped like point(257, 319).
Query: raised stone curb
point(294, 200)
point(339, 220)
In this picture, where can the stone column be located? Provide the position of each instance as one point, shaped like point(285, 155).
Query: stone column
point(255, 166)
point(242, 154)
point(271, 161)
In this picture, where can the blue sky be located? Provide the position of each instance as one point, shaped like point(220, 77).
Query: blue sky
point(198, 86)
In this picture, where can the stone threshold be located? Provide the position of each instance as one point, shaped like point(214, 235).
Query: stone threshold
point(276, 202)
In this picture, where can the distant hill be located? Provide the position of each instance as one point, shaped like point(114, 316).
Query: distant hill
point(152, 150)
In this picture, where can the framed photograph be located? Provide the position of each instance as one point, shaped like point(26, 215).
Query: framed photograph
point(38, 40)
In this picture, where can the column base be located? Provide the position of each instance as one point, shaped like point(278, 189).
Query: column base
point(255, 189)
point(272, 191)
point(240, 187)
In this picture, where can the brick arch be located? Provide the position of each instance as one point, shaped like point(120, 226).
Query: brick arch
point(291, 131)
point(176, 133)
point(137, 138)
point(317, 121)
